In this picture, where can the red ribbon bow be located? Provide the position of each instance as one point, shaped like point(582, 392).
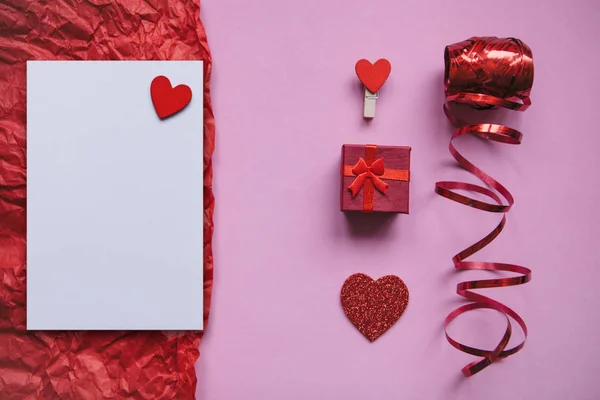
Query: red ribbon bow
point(364, 171)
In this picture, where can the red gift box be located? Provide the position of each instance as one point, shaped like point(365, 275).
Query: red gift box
point(375, 178)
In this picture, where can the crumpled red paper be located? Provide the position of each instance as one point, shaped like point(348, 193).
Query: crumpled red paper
point(88, 365)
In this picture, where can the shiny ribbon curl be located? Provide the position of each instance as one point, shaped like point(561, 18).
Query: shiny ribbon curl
point(486, 73)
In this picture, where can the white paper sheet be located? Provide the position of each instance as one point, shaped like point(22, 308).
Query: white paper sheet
point(114, 198)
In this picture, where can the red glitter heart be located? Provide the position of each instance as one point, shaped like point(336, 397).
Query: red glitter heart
point(374, 306)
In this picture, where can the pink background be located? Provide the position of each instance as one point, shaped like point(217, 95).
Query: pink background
point(286, 98)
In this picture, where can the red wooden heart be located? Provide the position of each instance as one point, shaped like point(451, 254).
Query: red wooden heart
point(373, 76)
point(168, 100)
point(374, 306)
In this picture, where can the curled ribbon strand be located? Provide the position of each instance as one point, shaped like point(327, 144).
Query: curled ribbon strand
point(486, 73)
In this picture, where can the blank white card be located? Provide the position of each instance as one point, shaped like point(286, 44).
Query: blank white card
point(114, 198)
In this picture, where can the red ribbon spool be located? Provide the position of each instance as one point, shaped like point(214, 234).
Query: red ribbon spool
point(485, 73)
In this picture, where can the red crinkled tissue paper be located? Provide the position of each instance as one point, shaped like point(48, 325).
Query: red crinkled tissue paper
point(88, 365)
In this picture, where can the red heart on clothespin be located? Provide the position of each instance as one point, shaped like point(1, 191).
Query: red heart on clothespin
point(373, 76)
point(169, 100)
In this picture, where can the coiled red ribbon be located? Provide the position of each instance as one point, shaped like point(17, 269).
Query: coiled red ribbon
point(485, 73)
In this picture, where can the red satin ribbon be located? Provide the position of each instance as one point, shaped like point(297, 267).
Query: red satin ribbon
point(368, 186)
point(365, 171)
point(477, 71)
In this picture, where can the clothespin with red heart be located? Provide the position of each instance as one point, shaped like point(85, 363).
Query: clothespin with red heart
point(373, 76)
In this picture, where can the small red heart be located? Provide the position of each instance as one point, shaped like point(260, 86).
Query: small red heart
point(169, 100)
point(374, 306)
point(373, 76)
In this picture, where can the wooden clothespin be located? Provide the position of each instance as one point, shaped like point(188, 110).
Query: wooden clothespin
point(373, 76)
point(370, 101)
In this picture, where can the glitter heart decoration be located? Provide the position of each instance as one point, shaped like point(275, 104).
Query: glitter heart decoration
point(373, 306)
